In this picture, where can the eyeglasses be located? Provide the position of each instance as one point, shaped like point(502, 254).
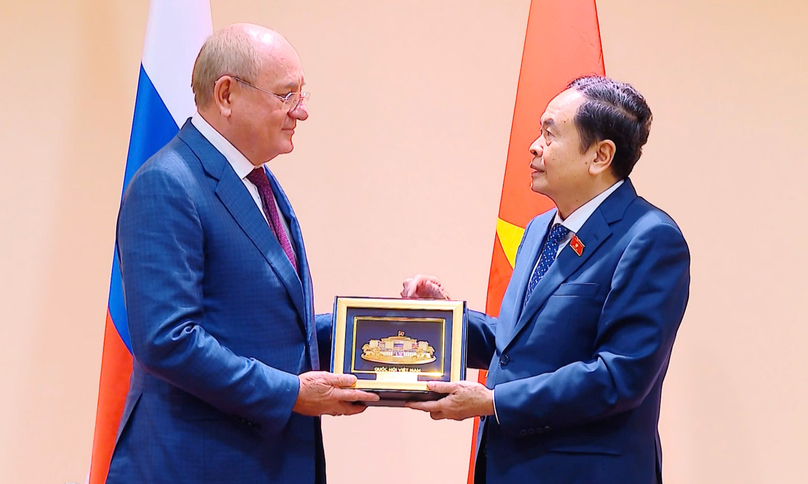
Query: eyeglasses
point(291, 100)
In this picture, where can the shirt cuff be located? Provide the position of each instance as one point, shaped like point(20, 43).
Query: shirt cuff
point(494, 397)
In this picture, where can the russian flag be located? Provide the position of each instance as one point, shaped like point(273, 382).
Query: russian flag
point(175, 31)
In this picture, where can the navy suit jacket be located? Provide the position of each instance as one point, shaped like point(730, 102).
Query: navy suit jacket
point(220, 326)
point(577, 372)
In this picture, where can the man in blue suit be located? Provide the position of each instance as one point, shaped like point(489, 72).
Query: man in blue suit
point(225, 387)
point(577, 356)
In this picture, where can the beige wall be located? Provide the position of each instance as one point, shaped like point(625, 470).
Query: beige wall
point(726, 81)
point(398, 171)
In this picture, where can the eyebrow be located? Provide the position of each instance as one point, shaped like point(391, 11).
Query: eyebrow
point(548, 123)
point(292, 85)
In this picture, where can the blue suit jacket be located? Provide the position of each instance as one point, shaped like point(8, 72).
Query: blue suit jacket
point(220, 326)
point(577, 372)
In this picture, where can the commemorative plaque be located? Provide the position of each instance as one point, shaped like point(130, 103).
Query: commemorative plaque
point(395, 346)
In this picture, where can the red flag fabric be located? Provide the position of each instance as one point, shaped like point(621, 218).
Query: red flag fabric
point(113, 386)
point(562, 42)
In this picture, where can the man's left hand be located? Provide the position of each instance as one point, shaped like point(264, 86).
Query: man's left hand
point(463, 399)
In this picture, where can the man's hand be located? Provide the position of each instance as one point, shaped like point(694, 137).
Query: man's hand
point(324, 393)
point(423, 287)
point(464, 399)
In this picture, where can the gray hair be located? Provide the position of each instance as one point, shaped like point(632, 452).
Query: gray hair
point(230, 51)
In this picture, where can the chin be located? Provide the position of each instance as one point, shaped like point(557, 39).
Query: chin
point(538, 187)
point(286, 148)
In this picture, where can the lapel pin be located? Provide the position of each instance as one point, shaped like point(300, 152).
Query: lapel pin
point(577, 245)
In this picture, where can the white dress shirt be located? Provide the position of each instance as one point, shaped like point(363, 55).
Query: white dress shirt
point(241, 165)
point(578, 218)
point(574, 222)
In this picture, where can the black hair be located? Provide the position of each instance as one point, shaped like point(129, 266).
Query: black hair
point(613, 111)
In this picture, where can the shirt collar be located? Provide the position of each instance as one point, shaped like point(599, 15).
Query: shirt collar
point(241, 165)
point(578, 218)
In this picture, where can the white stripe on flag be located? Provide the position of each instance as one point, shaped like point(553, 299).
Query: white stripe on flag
point(175, 31)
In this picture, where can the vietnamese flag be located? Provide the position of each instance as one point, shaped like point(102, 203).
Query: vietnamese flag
point(562, 42)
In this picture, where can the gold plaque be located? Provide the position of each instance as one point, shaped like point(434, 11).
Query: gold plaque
point(395, 346)
point(398, 350)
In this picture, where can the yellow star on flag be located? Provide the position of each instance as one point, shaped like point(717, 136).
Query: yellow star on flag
point(509, 236)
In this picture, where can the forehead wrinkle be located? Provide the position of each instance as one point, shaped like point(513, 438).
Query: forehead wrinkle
point(293, 85)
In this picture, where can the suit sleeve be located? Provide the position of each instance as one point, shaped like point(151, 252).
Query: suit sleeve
point(635, 335)
point(161, 251)
point(481, 340)
point(323, 324)
point(482, 328)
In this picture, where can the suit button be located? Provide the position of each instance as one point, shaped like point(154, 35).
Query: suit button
point(523, 432)
point(531, 431)
point(504, 360)
point(546, 428)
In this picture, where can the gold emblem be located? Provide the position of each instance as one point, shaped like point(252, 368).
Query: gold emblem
point(398, 350)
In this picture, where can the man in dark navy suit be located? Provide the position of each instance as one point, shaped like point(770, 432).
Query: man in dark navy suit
point(577, 356)
point(218, 293)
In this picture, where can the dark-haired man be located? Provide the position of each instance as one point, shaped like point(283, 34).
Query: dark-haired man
point(577, 356)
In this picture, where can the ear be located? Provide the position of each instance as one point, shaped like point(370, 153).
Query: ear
point(603, 156)
point(223, 95)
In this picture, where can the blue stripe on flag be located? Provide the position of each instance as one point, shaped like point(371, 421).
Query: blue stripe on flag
point(152, 128)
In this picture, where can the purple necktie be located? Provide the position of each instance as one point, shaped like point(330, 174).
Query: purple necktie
point(259, 178)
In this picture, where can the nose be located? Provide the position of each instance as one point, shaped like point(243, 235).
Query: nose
point(300, 112)
point(537, 147)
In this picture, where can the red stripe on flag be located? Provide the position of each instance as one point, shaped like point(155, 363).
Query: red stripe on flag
point(498, 279)
point(562, 42)
point(116, 369)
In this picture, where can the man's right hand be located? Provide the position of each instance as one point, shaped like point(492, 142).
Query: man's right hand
point(423, 287)
point(324, 393)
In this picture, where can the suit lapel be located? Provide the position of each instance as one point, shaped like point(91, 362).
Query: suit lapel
point(303, 265)
point(531, 252)
point(593, 233)
point(527, 255)
point(235, 197)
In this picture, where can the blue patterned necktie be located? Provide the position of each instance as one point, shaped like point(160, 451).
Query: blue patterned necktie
point(548, 255)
